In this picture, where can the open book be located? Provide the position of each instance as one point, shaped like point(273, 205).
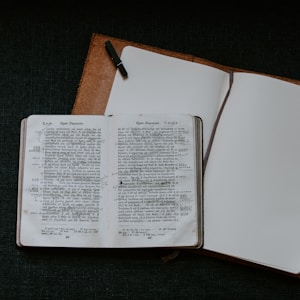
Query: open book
point(110, 181)
point(251, 126)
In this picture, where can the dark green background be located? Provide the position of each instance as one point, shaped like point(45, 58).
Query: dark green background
point(42, 53)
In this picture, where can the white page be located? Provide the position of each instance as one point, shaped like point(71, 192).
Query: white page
point(252, 180)
point(63, 204)
point(163, 84)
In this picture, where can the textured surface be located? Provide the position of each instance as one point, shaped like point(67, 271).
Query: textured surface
point(42, 53)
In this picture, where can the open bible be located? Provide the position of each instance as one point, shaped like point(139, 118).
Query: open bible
point(132, 180)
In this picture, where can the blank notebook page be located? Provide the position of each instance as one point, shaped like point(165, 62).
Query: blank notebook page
point(252, 180)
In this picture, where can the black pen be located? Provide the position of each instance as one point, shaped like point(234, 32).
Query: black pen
point(115, 58)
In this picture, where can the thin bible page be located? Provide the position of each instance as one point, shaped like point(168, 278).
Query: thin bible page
point(65, 181)
point(154, 198)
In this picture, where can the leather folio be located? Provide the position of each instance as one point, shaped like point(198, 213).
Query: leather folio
point(96, 83)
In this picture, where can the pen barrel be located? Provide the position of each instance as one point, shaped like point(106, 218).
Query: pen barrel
point(122, 69)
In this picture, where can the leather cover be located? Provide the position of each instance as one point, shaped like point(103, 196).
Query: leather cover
point(95, 86)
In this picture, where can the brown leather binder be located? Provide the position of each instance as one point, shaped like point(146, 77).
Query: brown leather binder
point(96, 83)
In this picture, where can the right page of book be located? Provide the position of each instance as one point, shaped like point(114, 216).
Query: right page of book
point(155, 196)
point(252, 179)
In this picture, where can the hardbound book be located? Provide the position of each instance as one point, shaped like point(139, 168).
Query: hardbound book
point(120, 181)
point(251, 124)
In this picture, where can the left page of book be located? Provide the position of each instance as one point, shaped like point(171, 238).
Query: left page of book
point(63, 179)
